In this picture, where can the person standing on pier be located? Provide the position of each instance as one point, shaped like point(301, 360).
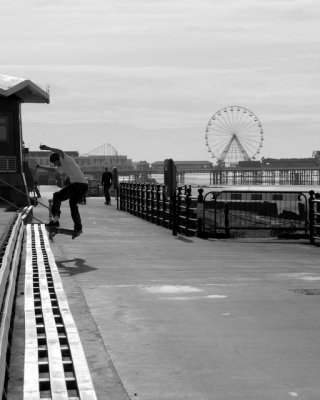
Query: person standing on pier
point(106, 182)
point(74, 191)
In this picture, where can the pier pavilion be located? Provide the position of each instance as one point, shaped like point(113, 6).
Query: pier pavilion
point(270, 171)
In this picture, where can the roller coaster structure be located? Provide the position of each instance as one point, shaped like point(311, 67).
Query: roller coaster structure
point(105, 149)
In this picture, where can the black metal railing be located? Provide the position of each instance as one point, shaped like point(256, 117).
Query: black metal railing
point(226, 213)
point(150, 202)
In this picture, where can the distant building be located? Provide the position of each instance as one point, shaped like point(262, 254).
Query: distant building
point(291, 163)
point(91, 165)
point(187, 166)
point(316, 154)
point(95, 164)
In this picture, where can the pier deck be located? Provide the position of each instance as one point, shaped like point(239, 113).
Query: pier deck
point(161, 317)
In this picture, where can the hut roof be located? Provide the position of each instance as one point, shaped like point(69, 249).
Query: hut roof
point(24, 89)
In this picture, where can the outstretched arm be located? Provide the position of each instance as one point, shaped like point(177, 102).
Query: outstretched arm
point(49, 169)
point(54, 150)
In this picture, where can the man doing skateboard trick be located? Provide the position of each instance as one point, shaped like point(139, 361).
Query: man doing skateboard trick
point(74, 191)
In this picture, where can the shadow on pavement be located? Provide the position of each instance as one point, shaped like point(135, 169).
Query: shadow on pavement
point(79, 267)
point(184, 239)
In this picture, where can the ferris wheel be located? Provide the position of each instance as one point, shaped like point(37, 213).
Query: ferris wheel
point(234, 134)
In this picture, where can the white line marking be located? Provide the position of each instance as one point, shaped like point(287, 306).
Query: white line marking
point(183, 298)
point(31, 372)
point(171, 289)
point(81, 368)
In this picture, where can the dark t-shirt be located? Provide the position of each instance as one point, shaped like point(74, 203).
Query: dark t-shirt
point(106, 180)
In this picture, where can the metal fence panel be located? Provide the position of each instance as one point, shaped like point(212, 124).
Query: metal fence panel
point(275, 212)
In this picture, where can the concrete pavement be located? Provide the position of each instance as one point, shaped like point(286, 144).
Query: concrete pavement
point(185, 318)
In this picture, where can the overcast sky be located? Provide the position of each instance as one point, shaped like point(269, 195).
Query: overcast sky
point(146, 76)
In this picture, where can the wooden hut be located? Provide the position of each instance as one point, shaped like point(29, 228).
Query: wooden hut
point(13, 92)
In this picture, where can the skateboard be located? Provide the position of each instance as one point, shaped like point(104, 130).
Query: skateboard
point(54, 230)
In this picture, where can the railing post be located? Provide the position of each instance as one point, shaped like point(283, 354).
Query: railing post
point(188, 201)
point(127, 197)
point(158, 196)
point(133, 199)
point(130, 197)
point(178, 206)
point(149, 202)
point(226, 219)
point(164, 205)
point(144, 201)
point(120, 195)
point(152, 202)
point(214, 198)
point(115, 184)
point(174, 211)
point(136, 199)
point(311, 216)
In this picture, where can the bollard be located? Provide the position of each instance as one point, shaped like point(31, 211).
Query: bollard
point(200, 213)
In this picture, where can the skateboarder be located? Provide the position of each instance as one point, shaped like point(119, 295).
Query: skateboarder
point(74, 191)
point(106, 182)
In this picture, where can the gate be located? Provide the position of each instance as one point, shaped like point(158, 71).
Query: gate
point(231, 213)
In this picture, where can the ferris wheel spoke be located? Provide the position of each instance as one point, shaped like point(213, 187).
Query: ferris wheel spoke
point(243, 115)
point(225, 120)
point(237, 117)
point(244, 119)
point(225, 127)
point(250, 129)
point(228, 119)
point(248, 126)
point(252, 134)
point(220, 131)
point(251, 148)
point(251, 139)
point(221, 122)
point(221, 144)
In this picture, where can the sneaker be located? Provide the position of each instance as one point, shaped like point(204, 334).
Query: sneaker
point(53, 224)
point(76, 233)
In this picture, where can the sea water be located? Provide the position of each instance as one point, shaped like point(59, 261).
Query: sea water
point(197, 181)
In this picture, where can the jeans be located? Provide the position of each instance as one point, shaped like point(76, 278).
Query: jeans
point(107, 194)
point(74, 192)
